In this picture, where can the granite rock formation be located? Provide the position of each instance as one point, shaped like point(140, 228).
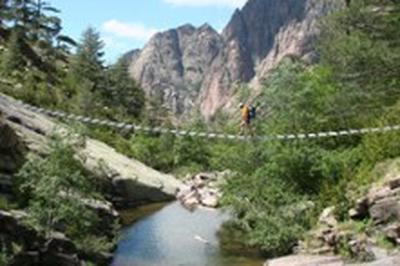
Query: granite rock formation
point(192, 68)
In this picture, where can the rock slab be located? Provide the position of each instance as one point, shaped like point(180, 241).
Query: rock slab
point(130, 181)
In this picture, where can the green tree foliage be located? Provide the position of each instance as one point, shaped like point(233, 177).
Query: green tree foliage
point(4, 257)
point(88, 62)
point(13, 60)
point(157, 114)
point(355, 85)
point(361, 46)
point(33, 51)
point(87, 83)
point(38, 29)
point(122, 91)
point(54, 188)
point(191, 155)
point(36, 56)
point(91, 88)
point(269, 212)
point(5, 15)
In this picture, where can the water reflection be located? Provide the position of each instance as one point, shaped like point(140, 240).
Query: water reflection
point(174, 236)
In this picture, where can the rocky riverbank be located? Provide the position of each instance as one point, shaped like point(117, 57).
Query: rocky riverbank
point(370, 238)
point(123, 182)
point(32, 248)
point(202, 190)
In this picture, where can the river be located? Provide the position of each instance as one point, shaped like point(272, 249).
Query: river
point(174, 236)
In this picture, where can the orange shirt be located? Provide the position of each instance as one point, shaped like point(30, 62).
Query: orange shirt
point(245, 112)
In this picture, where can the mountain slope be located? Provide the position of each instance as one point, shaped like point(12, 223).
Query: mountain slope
point(197, 68)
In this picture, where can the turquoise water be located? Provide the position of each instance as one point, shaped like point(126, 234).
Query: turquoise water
point(174, 236)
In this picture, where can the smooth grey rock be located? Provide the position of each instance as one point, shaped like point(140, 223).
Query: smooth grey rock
point(378, 193)
point(210, 201)
point(392, 232)
point(327, 217)
point(202, 189)
point(306, 260)
point(130, 180)
point(393, 260)
point(385, 210)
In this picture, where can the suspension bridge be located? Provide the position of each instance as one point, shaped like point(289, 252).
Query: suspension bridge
point(197, 134)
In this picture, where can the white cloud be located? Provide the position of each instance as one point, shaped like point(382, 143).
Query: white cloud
point(114, 43)
point(194, 3)
point(137, 31)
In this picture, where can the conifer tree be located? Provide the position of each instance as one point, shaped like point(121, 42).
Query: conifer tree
point(4, 12)
point(88, 62)
point(123, 90)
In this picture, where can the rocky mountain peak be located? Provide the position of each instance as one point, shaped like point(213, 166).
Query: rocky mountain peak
point(206, 27)
point(186, 29)
point(196, 67)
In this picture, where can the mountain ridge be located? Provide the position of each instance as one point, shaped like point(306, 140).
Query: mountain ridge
point(196, 68)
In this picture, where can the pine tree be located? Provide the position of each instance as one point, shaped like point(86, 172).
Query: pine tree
point(39, 30)
point(361, 45)
point(88, 63)
point(22, 13)
point(5, 13)
point(123, 91)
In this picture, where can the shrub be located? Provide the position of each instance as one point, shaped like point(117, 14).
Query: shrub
point(268, 211)
point(52, 189)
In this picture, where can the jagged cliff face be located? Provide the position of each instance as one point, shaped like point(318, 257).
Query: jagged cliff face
point(174, 63)
point(194, 68)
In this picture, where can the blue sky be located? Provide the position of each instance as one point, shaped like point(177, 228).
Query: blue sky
point(128, 24)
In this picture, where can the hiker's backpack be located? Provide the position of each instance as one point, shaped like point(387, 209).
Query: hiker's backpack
point(252, 112)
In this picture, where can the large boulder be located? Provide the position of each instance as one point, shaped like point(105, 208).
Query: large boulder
point(130, 182)
point(382, 202)
point(385, 210)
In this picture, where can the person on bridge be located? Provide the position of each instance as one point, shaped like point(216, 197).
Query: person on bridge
point(248, 113)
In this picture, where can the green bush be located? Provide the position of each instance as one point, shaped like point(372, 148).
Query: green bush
point(4, 203)
point(52, 188)
point(269, 212)
point(94, 244)
point(4, 258)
